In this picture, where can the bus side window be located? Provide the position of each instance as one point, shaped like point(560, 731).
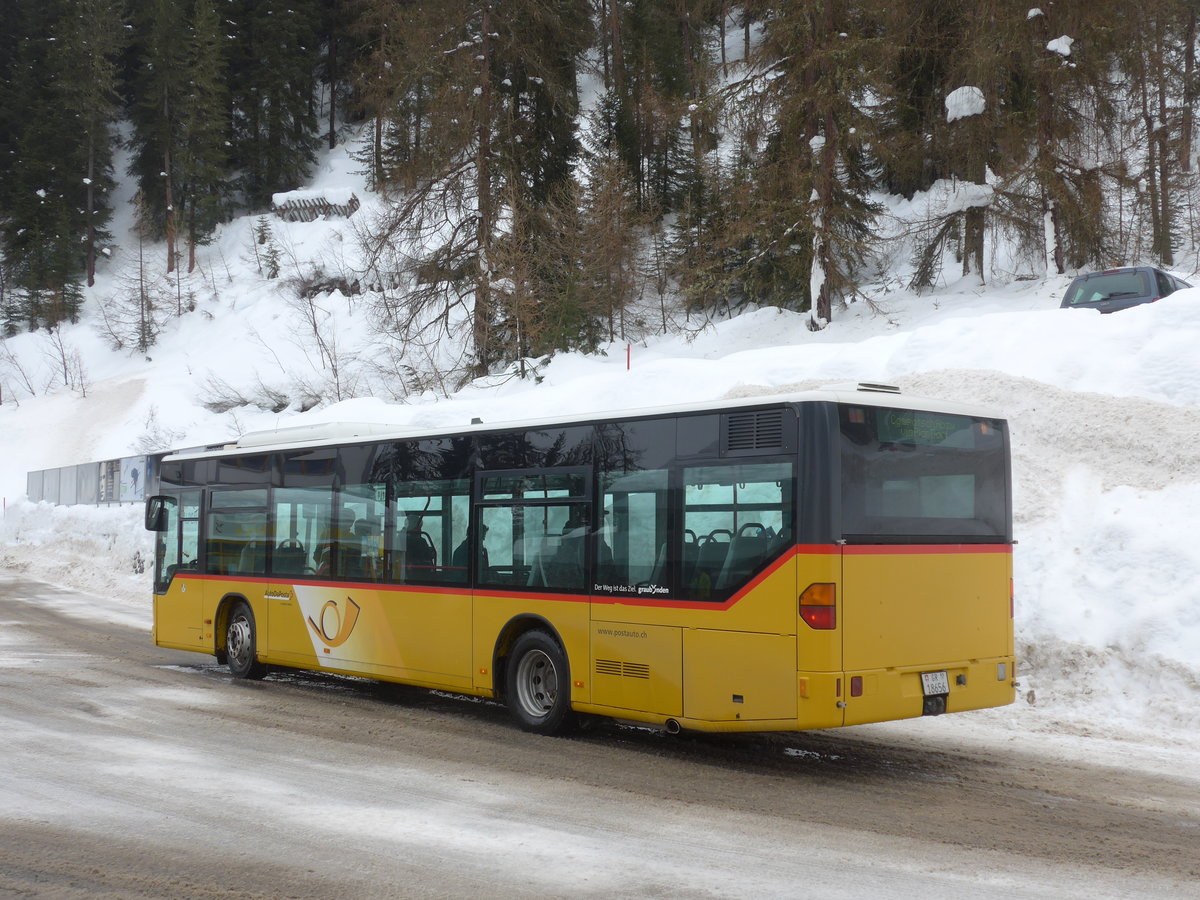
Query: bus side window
point(537, 529)
point(736, 518)
point(503, 567)
point(189, 526)
point(178, 546)
point(360, 527)
point(167, 551)
point(540, 546)
point(431, 518)
point(237, 532)
point(556, 541)
point(632, 550)
point(301, 518)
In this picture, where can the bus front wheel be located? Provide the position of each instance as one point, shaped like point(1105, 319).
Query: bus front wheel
point(538, 684)
point(241, 643)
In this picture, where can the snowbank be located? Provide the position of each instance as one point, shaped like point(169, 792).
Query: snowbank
point(1105, 412)
point(101, 550)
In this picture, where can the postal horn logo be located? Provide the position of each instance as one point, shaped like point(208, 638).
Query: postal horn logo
point(333, 624)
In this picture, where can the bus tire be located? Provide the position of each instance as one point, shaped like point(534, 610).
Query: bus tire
point(241, 643)
point(538, 684)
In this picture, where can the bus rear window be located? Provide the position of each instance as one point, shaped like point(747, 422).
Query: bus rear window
point(911, 476)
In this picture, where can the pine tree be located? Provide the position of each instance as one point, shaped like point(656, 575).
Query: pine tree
point(393, 86)
point(274, 54)
point(973, 107)
point(923, 38)
point(1154, 60)
point(92, 38)
point(35, 236)
point(798, 213)
point(11, 314)
point(132, 316)
point(204, 132)
point(611, 230)
point(1074, 120)
point(658, 61)
point(54, 205)
point(476, 123)
point(13, 29)
point(338, 59)
point(160, 87)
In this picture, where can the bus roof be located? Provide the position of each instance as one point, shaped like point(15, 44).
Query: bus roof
point(338, 433)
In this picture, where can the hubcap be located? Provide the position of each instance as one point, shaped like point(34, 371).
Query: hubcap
point(537, 683)
point(237, 640)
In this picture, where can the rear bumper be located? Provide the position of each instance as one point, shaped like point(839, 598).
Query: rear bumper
point(885, 694)
point(829, 699)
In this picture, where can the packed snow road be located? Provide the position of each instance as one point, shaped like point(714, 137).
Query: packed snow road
point(130, 771)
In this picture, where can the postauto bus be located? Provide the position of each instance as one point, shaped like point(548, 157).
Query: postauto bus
point(806, 561)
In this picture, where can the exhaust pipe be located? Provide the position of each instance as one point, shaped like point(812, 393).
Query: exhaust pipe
point(673, 727)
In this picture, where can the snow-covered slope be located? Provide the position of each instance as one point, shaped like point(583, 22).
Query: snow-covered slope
point(1105, 414)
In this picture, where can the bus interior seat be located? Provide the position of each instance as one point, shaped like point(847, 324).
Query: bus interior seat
point(350, 561)
point(565, 567)
point(368, 548)
point(691, 553)
point(537, 568)
point(290, 558)
point(746, 550)
point(420, 554)
point(558, 562)
point(710, 555)
point(253, 558)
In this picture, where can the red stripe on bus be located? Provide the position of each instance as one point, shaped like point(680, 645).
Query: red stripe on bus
point(614, 600)
point(609, 600)
point(922, 549)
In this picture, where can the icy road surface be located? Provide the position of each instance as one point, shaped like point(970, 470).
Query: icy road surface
point(129, 771)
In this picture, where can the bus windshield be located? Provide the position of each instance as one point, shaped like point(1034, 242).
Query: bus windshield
point(912, 476)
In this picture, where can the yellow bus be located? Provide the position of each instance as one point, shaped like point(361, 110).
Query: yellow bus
point(808, 561)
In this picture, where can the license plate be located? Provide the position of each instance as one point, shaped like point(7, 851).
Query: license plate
point(935, 683)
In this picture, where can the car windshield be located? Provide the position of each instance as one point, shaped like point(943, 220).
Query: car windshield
point(1110, 284)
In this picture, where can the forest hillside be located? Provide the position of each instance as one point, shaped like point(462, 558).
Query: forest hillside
point(542, 208)
point(537, 176)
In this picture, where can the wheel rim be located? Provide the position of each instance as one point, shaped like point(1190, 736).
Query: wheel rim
point(537, 684)
point(238, 640)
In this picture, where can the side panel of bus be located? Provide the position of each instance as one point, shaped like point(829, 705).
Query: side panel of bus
point(178, 616)
point(413, 634)
point(746, 673)
point(637, 667)
point(707, 663)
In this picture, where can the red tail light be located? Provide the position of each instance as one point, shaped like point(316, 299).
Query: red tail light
point(818, 607)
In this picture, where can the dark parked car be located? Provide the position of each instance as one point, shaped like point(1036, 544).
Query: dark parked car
point(1120, 288)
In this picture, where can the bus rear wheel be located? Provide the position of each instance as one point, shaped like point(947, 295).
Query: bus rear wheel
point(241, 643)
point(538, 685)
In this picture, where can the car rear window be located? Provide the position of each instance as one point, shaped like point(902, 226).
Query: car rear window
point(1111, 284)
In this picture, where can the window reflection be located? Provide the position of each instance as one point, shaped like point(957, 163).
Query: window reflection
point(431, 518)
point(736, 518)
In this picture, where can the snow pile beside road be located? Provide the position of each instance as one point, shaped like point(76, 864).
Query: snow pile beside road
point(1104, 413)
point(101, 550)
